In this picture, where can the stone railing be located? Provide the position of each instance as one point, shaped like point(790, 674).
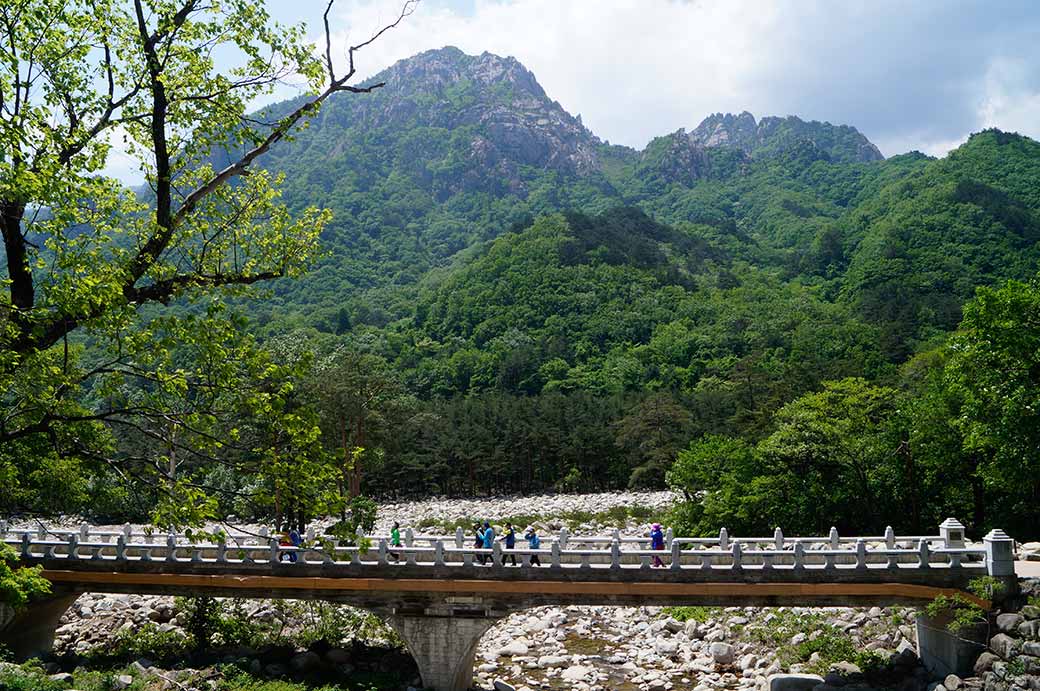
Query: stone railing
point(945, 551)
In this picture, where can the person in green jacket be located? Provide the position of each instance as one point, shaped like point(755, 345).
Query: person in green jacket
point(395, 540)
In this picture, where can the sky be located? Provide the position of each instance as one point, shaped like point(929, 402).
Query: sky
point(909, 74)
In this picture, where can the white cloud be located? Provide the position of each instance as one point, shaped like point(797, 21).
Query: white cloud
point(1011, 97)
point(906, 75)
point(919, 75)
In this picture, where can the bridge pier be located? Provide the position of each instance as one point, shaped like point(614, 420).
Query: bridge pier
point(30, 632)
point(443, 646)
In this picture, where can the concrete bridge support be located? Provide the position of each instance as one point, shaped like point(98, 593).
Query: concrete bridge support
point(443, 647)
point(30, 632)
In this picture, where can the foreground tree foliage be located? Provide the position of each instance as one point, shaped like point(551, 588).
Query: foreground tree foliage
point(107, 394)
point(959, 439)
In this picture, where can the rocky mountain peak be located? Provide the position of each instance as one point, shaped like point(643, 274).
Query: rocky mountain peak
point(773, 135)
point(512, 119)
point(726, 129)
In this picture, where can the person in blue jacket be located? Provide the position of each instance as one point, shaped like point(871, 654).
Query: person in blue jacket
point(533, 542)
point(657, 542)
point(488, 535)
point(509, 537)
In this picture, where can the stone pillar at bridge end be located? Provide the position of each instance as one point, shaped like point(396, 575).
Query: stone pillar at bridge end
point(443, 647)
point(30, 632)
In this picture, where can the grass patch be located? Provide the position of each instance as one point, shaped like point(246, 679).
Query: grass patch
point(832, 643)
point(31, 677)
point(148, 641)
point(235, 680)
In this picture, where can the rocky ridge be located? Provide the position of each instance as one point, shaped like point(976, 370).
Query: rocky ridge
point(772, 134)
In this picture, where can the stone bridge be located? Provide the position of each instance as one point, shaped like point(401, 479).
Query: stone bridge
point(437, 593)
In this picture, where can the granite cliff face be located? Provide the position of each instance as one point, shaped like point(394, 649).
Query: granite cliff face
point(771, 135)
point(496, 101)
point(460, 123)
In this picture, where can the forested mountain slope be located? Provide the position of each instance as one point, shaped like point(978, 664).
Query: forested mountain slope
point(457, 149)
point(485, 244)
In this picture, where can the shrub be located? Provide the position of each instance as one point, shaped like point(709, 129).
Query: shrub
point(18, 584)
point(964, 614)
point(987, 587)
point(333, 624)
point(870, 661)
point(27, 678)
point(203, 619)
point(148, 641)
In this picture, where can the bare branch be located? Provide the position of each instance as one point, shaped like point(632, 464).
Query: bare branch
point(328, 44)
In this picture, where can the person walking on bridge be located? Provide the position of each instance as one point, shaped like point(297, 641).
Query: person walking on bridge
point(533, 542)
point(509, 537)
point(479, 542)
point(395, 540)
point(489, 541)
point(657, 542)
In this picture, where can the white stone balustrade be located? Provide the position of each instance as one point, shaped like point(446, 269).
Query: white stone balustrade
point(947, 550)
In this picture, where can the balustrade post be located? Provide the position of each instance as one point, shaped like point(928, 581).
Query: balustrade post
point(799, 556)
point(890, 537)
point(41, 532)
point(310, 534)
point(73, 541)
point(676, 555)
point(861, 554)
point(3, 528)
point(563, 538)
point(835, 542)
point(1000, 553)
point(84, 532)
point(273, 543)
point(615, 554)
point(382, 552)
point(121, 547)
point(723, 539)
point(668, 537)
point(736, 550)
point(778, 538)
point(409, 537)
point(893, 559)
point(438, 553)
point(171, 547)
point(617, 535)
point(496, 554)
point(222, 550)
point(923, 558)
point(556, 555)
point(460, 538)
point(952, 533)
